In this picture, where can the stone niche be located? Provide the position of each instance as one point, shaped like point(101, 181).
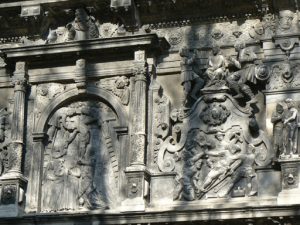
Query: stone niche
point(79, 162)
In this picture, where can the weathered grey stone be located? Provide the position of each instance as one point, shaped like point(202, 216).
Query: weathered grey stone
point(111, 113)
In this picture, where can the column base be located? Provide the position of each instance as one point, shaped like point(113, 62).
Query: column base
point(290, 172)
point(162, 188)
point(12, 188)
point(137, 193)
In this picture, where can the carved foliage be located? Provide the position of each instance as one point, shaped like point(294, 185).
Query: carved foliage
point(120, 87)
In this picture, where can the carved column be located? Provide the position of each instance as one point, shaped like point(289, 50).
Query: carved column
point(13, 183)
point(140, 104)
point(18, 117)
point(137, 176)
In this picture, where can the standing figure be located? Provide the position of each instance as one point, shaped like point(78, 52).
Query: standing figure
point(277, 120)
point(191, 82)
point(291, 128)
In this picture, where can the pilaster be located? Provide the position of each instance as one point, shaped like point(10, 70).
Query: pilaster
point(13, 183)
point(137, 176)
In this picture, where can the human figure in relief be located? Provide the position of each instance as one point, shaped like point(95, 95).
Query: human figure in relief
point(277, 120)
point(238, 81)
point(191, 82)
point(291, 128)
point(216, 66)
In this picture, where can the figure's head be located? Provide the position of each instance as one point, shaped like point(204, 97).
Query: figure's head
point(259, 28)
point(219, 136)
point(80, 15)
point(234, 149)
point(286, 19)
point(239, 46)
point(279, 108)
point(184, 51)
point(289, 103)
point(70, 123)
point(43, 91)
point(215, 49)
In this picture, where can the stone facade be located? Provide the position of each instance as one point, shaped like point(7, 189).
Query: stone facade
point(149, 112)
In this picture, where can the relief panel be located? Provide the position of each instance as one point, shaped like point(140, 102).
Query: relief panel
point(79, 169)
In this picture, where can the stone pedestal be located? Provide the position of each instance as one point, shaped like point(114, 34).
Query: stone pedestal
point(12, 194)
point(290, 171)
point(137, 191)
point(162, 188)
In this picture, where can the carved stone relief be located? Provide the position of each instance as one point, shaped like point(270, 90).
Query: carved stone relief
point(284, 76)
point(78, 171)
point(81, 28)
point(287, 22)
point(234, 74)
point(119, 86)
point(214, 150)
point(161, 123)
point(8, 195)
point(44, 94)
point(285, 130)
point(5, 142)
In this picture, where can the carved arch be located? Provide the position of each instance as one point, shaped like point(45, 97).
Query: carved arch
point(74, 93)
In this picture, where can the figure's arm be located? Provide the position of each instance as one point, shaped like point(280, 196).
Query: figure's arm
point(71, 138)
point(233, 61)
point(214, 153)
point(293, 117)
point(275, 118)
point(191, 60)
